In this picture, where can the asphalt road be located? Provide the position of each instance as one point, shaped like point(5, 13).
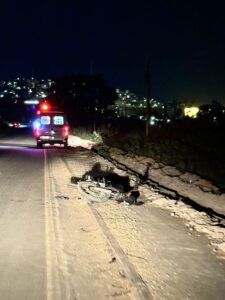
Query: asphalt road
point(51, 246)
point(22, 220)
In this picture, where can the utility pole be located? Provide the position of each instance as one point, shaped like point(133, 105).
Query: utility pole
point(148, 104)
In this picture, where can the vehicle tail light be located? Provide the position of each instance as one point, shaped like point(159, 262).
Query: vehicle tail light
point(37, 128)
point(16, 124)
point(65, 131)
point(37, 132)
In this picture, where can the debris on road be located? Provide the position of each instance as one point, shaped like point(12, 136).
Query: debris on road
point(75, 141)
point(130, 198)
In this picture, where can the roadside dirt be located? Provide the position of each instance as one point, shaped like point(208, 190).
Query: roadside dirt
point(83, 263)
point(161, 248)
point(194, 220)
point(174, 259)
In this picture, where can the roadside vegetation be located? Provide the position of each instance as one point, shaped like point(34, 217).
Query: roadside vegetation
point(86, 133)
point(192, 145)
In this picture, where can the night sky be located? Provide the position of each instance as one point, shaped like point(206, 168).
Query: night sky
point(184, 41)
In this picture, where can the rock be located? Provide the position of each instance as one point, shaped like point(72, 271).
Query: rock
point(101, 147)
point(189, 177)
point(221, 247)
point(206, 185)
point(140, 168)
point(118, 157)
point(155, 166)
point(115, 151)
point(167, 192)
point(145, 160)
point(201, 222)
point(161, 165)
point(171, 171)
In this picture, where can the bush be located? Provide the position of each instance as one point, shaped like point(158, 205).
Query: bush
point(87, 134)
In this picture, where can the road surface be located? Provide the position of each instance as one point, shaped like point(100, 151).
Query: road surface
point(52, 247)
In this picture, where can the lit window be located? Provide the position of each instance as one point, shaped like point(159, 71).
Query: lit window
point(45, 120)
point(58, 120)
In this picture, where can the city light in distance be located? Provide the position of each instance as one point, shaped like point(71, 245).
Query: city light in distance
point(191, 111)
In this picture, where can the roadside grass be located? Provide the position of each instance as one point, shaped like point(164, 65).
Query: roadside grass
point(86, 133)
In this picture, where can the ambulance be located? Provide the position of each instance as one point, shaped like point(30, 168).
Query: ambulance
point(51, 126)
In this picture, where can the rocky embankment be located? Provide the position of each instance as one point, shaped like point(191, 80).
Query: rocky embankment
point(169, 180)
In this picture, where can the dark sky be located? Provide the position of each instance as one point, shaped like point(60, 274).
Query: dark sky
point(184, 40)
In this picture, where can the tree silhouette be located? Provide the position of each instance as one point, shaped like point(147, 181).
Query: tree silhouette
point(212, 112)
point(84, 98)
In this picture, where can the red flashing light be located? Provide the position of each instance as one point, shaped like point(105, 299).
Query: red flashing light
point(45, 106)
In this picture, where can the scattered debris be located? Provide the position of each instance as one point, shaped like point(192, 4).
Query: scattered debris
point(130, 198)
point(61, 197)
point(75, 141)
point(122, 273)
point(112, 260)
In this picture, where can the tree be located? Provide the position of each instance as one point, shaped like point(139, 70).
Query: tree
point(84, 98)
point(212, 112)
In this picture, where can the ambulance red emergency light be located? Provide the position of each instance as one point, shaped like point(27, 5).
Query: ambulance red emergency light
point(51, 126)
